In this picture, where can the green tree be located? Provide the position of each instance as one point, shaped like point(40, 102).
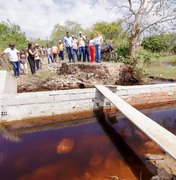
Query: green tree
point(158, 43)
point(11, 33)
point(112, 32)
point(59, 30)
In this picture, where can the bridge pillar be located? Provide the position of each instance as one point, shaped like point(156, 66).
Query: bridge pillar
point(8, 84)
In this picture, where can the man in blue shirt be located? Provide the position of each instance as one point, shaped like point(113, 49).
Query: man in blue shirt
point(68, 44)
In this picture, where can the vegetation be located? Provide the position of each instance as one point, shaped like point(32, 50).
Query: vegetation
point(158, 43)
point(11, 33)
point(59, 30)
point(112, 32)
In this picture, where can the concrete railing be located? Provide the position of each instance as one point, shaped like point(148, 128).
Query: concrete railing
point(51, 103)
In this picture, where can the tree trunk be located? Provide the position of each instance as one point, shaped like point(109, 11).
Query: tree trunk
point(133, 44)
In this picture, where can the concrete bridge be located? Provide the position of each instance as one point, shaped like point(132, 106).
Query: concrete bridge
point(83, 102)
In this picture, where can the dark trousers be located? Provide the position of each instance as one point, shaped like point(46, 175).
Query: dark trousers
point(75, 51)
point(54, 57)
point(37, 63)
point(70, 53)
point(16, 68)
point(82, 52)
point(32, 65)
point(61, 55)
point(87, 54)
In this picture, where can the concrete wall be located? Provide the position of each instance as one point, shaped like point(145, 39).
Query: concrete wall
point(8, 84)
point(41, 104)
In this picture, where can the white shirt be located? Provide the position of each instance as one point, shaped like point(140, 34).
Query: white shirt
point(91, 42)
point(81, 41)
point(12, 54)
point(98, 40)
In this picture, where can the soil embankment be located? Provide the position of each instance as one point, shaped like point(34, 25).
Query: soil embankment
point(61, 76)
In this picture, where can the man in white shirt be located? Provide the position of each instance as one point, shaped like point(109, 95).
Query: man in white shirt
point(12, 54)
point(98, 42)
point(81, 44)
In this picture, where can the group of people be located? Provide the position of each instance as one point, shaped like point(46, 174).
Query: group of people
point(83, 49)
point(20, 59)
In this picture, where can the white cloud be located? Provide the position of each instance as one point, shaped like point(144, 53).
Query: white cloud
point(38, 17)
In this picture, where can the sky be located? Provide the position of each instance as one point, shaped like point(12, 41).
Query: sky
point(38, 17)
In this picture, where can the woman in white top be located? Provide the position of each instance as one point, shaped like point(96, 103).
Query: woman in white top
point(98, 43)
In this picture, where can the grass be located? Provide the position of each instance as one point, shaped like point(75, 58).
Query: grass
point(162, 65)
point(163, 58)
point(168, 72)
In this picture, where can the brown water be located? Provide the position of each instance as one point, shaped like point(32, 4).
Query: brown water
point(91, 151)
point(82, 152)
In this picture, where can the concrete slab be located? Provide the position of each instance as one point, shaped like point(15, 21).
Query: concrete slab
point(8, 84)
point(165, 139)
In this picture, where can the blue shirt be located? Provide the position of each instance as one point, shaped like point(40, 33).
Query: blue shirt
point(68, 41)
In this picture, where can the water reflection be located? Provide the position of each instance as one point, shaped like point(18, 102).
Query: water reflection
point(85, 153)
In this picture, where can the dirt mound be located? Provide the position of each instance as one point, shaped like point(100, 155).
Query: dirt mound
point(78, 75)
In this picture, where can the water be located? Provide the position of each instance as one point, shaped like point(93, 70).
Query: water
point(165, 116)
point(82, 152)
point(90, 151)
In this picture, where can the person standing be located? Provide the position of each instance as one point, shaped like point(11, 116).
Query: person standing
point(37, 57)
point(12, 54)
point(81, 45)
point(61, 50)
point(68, 45)
point(48, 53)
point(75, 47)
point(87, 54)
point(98, 43)
point(31, 60)
point(23, 61)
point(92, 48)
point(54, 51)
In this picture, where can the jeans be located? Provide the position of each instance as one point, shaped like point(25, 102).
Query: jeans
point(87, 54)
point(75, 51)
point(37, 63)
point(61, 55)
point(70, 53)
point(54, 57)
point(50, 59)
point(98, 52)
point(16, 68)
point(82, 52)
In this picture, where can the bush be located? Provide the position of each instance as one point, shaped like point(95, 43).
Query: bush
point(123, 51)
point(145, 57)
point(158, 43)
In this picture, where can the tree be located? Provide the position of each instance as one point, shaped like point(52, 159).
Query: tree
point(142, 15)
point(158, 43)
point(59, 31)
point(112, 32)
point(11, 33)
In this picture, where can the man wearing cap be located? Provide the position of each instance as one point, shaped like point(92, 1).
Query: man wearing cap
point(68, 44)
point(12, 54)
point(81, 45)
